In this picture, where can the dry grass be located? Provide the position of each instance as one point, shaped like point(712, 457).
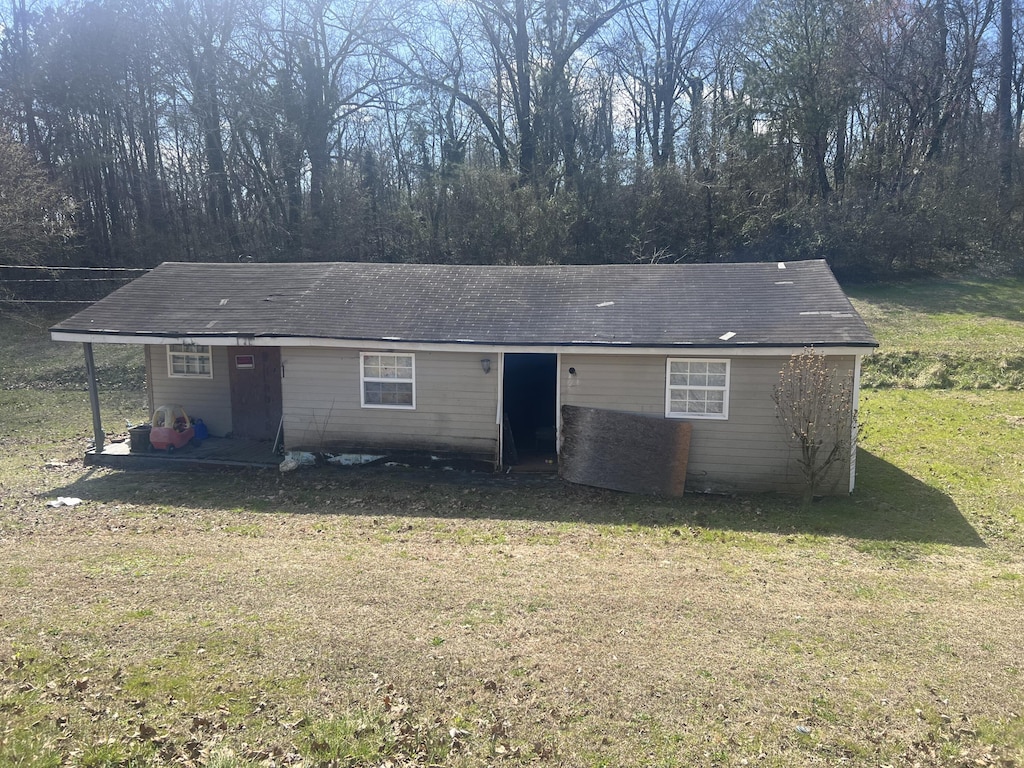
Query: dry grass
point(498, 613)
point(363, 617)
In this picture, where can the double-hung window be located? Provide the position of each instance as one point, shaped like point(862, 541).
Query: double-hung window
point(388, 380)
point(189, 361)
point(697, 389)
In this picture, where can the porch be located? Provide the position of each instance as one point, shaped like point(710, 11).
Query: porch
point(214, 452)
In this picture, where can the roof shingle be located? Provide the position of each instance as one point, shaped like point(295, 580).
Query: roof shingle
point(796, 304)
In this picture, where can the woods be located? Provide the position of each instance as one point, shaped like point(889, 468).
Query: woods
point(881, 135)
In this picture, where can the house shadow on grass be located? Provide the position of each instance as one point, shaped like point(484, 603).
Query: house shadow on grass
point(888, 506)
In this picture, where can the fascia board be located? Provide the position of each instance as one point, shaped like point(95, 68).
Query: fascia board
point(730, 350)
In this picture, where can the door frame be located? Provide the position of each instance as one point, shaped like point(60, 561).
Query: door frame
point(499, 416)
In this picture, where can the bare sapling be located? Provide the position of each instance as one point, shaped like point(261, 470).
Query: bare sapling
point(814, 402)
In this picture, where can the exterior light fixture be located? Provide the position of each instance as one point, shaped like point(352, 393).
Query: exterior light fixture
point(485, 364)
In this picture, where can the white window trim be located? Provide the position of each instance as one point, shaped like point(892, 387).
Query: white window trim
point(183, 349)
point(670, 414)
point(363, 378)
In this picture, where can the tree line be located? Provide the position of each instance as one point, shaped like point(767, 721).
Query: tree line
point(880, 134)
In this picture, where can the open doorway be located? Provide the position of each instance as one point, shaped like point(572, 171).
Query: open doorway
point(530, 398)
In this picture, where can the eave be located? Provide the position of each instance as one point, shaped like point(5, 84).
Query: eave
point(732, 348)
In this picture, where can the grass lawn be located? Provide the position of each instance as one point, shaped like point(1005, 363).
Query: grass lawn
point(945, 334)
point(369, 617)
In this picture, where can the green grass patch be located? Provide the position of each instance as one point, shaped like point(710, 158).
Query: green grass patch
point(945, 316)
point(960, 454)
point(390, 733)
point(252, 530)
point(948, 334)
point(927, 370)
point(28, 360)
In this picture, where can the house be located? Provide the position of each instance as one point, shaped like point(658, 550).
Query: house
point(485, 361)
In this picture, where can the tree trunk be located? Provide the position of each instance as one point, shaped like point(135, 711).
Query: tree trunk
point(697, 123)
point(839, 167)
point(1006, 137)
point(218, 191)
point(524, 118)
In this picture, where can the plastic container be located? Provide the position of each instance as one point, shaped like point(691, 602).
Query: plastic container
point(138, 438)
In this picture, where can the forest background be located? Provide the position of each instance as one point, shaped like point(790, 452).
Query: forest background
point(882, 135)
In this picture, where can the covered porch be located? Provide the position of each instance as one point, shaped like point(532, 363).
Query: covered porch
point(116, 450)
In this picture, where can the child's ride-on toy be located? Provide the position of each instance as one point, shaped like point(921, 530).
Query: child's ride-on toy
point(172, 429)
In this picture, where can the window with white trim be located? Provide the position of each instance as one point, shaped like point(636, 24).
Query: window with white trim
point(697, 389)
point(189, 361)
point(387, 380)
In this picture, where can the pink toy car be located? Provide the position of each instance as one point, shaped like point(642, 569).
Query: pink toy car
point(172, 428)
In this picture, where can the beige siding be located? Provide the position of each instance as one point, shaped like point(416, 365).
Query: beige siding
point(456, 405)
point(749, 451)
point(208, 399)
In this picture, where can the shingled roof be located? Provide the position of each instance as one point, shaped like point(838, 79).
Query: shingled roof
point(794, 304)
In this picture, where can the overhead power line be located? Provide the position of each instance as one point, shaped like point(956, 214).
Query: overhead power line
point(62, 279)
point(90, 269)
point(45, 301)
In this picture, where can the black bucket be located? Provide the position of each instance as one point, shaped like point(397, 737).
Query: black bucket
point(138, 438)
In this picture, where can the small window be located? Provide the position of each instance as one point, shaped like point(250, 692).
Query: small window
point(697, 389)
point(189, 360)
point(388, 381)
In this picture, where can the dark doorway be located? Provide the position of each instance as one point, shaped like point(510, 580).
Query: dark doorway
point(530, 408)
point(255, 374)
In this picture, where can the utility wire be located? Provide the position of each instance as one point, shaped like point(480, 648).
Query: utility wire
point(92, 269)
point(63, 279)
point(46, 301)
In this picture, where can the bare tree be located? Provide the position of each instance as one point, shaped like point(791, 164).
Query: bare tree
point(663, 59)
point(36, 215)
point(520, 81)
point(325, 43)
point(200, 34)
point(814, 402)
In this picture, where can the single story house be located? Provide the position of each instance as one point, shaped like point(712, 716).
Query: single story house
point(483, 361)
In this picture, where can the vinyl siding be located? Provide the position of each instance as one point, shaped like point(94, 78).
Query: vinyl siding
point(456, 405)
point(750, 451)
point(208, 399)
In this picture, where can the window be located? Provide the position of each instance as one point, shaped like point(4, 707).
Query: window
point(189, 360)
point(697, 389)
point(388, 380)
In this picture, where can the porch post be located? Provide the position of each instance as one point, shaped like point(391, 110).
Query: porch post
point(94, 397)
